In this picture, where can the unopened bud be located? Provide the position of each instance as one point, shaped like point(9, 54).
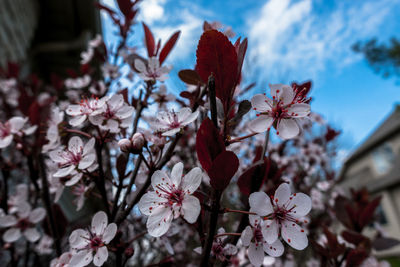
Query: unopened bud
point(125, 145)
point(138, 142)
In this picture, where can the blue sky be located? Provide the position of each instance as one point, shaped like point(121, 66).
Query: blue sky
point(292, 41)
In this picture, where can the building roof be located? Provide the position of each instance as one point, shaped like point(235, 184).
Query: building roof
point(384, 131)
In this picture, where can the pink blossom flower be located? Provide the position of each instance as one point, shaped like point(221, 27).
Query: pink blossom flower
point(75, 159)
point(162, 97)
point(12, 127)
point(52, 133)
point(23, 223)
point(220, 250)
point(87, 107)
point(152, 71)
point(253, 238)
point(114, 115)
point(78, 83)
point(172, 198)
point(172, 122)
point(282, 111)
point(282, 214)
point(85, 243)
point(62, 261)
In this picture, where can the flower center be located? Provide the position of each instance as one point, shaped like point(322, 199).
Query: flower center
point(4, 130)
point(96, 242)
point(23, 224)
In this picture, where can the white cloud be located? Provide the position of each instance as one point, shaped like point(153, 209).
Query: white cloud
point(288, 37)
point(152, 10)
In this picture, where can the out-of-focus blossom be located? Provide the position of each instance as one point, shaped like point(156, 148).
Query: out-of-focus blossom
point(114, 115)
point(87, 107)
point(171, 198)
point(75, 159)
point(162, 97)
point(9, 88)
point(14, 127)
point(78, 83)
point(45, 245)
point(52, 133)
point(281, 111)
point(282, 214)
point(171, 122)
point(23, 223)
point(253, 238)
point(110, 71)
point(62, 261)
point(152, 71)
point(91, 245)
point(220, 250)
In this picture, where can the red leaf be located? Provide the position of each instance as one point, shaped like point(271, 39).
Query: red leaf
point(241, 52)
point(251, 180)
point(356, 257)
point(168, 46)
point(209, 144)
point(149, 38)
point(216, 54)
point(368, 212)
point(190, 77)
point(223, 169)
point(125, 6)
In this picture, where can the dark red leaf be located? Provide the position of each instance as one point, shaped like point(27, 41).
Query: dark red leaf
point(216, 54)
point(190, 77)
point(209, 144)
point(250, 181)
point(241, 52)
point(356, 257)
point(110, 12)
point(368, 212)
point(354, 237)
point(382, 243)
point(125, 6)
point(149, 39)
point(168, 46)
point(223, 168)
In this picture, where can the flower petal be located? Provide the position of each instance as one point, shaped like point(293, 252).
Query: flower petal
point(298, 110)
point(37, 215)
point(89, 146)
point(12, 235)
point(294, 235)
point(275, 249)
point(6, 141)
point(160, 179)
point(82, 258)
point(78, 238)
point(31, 234)
point(109, 233)
point(64, 171)
point(171, 132)
point(286, 95)
point(176, 174)
point(7, 221)
point(256, 254)
point(75, 145)
point(192, 180)
point(191, 208)
point(159, 223)
point(270, 231)
point(260, 203)
point(149, 202)
point(16, 123)
point(189, 119)
point(303, 205)
point(261, 124)
point(100, 257)
point(287, 128)
point(246, 236)
point(261, 103)
point(99, 223)
point(282, 194)
point(86, 161)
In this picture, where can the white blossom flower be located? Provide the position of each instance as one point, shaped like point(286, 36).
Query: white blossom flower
point(253, 238)
point(78, 83)
point(12, 127)
point(172, 122)
point(9, 88)
point(45, 245)
point(153, 71)
point(282, 214)
point(110, 71)
point(114, 115)
point(52, 134)
point(162, 97)
point(62, 261)
point(220, 250)
point(85, 243)
point(282, 111)
point(23, 223)
point(75, 159)
point(87, 107)
point(172, 198)
point(20, 196)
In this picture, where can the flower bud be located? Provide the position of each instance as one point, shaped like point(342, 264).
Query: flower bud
point(125, 145)
point(137, 143)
